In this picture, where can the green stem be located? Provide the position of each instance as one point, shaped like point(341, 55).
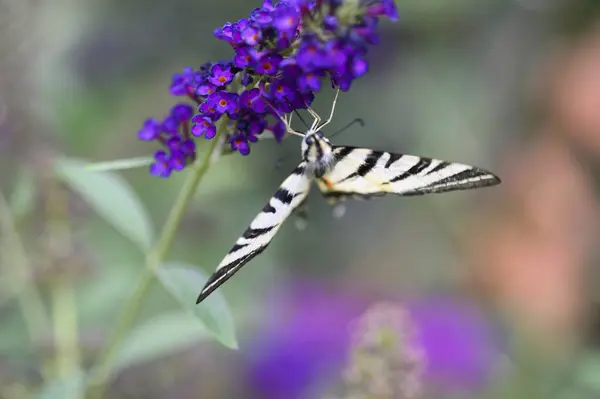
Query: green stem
point(66, 336)
point(20, 275)
point(101, 374)
point(62, 292)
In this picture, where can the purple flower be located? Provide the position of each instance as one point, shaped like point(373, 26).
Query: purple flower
point(261, 16)
point(384, 7)
point(240, 143)
point(278, 129)
point(207, 109)
point(282, 91)
point(337, 53)
point(225, 32)
point(203, 126)
point(183, 83)
point(251, 99)
point(205, 88)
point(220, 75)
point(304, 344)
point(160, 167)
point(182, 112)
point(268, 64)
point(223, 102)
point(286, 19)
point(244, 58)
point(310, 333)
point(251, 35)
point(171, 125)
point(150, 131)
point(310, 81)
point(311, 55)
point(359, 67)
point(330, 22)
point(283, 51)
point(459, 344)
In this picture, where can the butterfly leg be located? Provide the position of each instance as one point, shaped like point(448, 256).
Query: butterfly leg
point(332, 110)
point(286, 122)
point(314, 114)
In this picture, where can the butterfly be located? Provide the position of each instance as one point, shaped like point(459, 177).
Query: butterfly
point(342, 172)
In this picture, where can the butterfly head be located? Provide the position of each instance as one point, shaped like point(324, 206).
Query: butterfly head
point(317, 151)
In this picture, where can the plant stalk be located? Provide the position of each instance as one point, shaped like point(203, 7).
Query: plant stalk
point(101, 373)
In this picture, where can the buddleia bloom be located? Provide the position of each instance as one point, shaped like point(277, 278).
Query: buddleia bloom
point(283, 54)
point(386, 361)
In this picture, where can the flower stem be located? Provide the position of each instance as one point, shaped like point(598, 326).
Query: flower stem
point(62, 293)
point(64, 306)
point(20, 275)
point(101, 373)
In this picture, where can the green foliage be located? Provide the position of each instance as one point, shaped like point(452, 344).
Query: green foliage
point(22, 198)
point(119, 164)
point(67, 388)
point(184, 283)
point(111, 197)
point(162, 335)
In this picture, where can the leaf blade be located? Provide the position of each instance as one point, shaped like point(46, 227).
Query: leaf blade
point(159, 336)
point(111, 197)
point(69, 388)
point(184, 281)
point(119, 164)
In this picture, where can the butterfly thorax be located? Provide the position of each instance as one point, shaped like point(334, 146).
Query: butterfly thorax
point(318, 153)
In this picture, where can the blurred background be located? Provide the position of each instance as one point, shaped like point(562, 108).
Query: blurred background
point(486, 294)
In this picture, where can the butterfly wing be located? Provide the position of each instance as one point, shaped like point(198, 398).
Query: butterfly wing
point(290, 195)
point(363, 173)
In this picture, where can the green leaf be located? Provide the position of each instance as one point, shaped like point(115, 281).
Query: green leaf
point(160, 336)
point(69, 388)
point(119, 164)
point(111, 196)
point(22, 198)
point(184, 282)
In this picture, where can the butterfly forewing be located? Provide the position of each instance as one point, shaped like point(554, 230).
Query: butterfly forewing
point(364, 172)
point(290, 195)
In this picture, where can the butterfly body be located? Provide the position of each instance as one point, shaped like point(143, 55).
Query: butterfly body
point(343, 172)
point(317, 154)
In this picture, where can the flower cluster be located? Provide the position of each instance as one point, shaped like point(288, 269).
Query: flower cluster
point(283, 53)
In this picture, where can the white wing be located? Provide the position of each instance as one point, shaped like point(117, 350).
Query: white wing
point(362, 172)
point(292, 192)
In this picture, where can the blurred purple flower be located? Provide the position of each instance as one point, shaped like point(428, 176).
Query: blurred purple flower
point(460, 345)
point(307, 343)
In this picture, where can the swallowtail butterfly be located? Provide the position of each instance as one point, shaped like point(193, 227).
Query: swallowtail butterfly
point(342, 172)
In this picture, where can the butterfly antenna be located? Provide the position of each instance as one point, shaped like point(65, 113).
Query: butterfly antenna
point(357, 120)
point(337, 93)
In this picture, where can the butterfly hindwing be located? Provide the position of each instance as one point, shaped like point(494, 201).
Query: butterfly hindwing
point(290, 195)
point(362, 172)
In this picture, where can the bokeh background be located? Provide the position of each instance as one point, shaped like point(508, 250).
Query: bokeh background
point(484, 294)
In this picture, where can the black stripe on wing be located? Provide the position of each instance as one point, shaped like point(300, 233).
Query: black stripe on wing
point(224, 273)
point(255, 239)
point(367, 166)
point(415, 170)
point(463, 181)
